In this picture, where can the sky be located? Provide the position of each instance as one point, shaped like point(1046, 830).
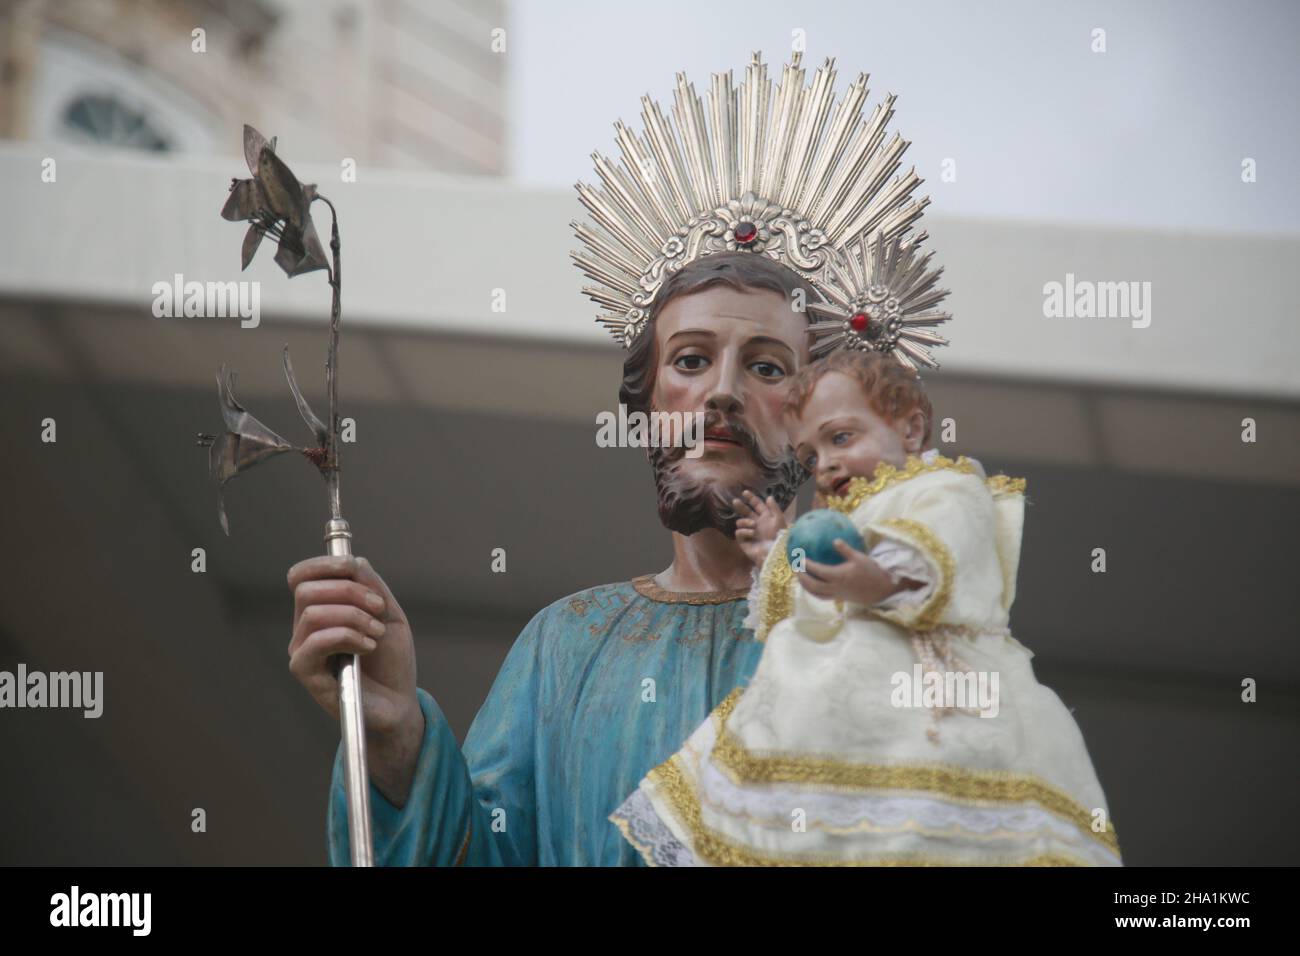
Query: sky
point(1151, 133)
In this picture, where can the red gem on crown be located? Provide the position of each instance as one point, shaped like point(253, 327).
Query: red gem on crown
point(859, 322)
point(746, 232)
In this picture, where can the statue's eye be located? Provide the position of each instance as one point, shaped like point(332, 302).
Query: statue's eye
point(690, 363)
point(840, 438)
point(768, 370)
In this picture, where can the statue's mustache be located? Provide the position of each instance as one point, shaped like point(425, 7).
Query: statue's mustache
point(740, 431)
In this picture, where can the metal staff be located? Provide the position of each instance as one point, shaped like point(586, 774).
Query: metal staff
point(338, 542)
point(275, 204)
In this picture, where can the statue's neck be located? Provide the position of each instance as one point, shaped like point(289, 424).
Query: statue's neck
point(705, 561)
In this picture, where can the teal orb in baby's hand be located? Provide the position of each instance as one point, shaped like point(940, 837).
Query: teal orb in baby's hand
point(815, 534)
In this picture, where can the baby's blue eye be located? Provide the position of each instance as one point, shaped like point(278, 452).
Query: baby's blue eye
point(840, 438)
point(810, 462)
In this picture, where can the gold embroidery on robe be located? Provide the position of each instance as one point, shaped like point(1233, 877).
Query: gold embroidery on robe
point(937, 554)
point(860, 489)
point(720, 851)
point(1005, 485)
point(776, 594)
point(984, 786)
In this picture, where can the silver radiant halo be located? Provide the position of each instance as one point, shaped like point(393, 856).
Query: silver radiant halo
point(884, 299)
point(782, 171)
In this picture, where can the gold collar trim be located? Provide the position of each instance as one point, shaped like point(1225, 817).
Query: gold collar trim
point(860, 489)
point(646, 587)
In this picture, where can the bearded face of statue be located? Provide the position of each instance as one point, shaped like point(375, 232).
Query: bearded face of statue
point(724, 349)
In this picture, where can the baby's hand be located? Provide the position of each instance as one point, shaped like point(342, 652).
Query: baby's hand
point(759, 525)
point(859, 579)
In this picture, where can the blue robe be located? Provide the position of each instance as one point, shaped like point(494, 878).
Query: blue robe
point(569, 728)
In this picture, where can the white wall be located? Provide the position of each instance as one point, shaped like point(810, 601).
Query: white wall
point(427, 251)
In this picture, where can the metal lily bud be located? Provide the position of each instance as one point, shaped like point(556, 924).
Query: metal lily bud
point(276, 205)
point(245, 443)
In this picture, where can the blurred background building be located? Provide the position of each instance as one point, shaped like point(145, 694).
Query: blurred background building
point(393, 83)
point(466, 123)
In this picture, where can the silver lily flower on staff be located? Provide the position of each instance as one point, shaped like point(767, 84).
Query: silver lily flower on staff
point(276, 205)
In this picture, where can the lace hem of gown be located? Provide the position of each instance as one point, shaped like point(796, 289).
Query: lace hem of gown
point(644, 829)
point(887, 826)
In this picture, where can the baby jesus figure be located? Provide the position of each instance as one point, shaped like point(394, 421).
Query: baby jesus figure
point(892, 719)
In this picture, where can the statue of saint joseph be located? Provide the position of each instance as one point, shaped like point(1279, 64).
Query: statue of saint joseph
point(729, 248)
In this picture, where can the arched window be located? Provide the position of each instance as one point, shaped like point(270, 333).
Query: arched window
point(106, 120)
point(89, 94)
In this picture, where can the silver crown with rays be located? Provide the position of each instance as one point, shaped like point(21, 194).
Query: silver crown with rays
point(784, 173)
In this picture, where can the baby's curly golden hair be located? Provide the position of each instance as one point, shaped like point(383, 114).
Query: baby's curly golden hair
point(891, 389)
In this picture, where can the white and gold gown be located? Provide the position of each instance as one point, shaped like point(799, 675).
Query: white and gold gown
point(838, 752)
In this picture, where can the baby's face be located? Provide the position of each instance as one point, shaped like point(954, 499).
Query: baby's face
point(839, 437)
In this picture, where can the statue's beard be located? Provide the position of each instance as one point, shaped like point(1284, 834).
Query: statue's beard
point(689, 503)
